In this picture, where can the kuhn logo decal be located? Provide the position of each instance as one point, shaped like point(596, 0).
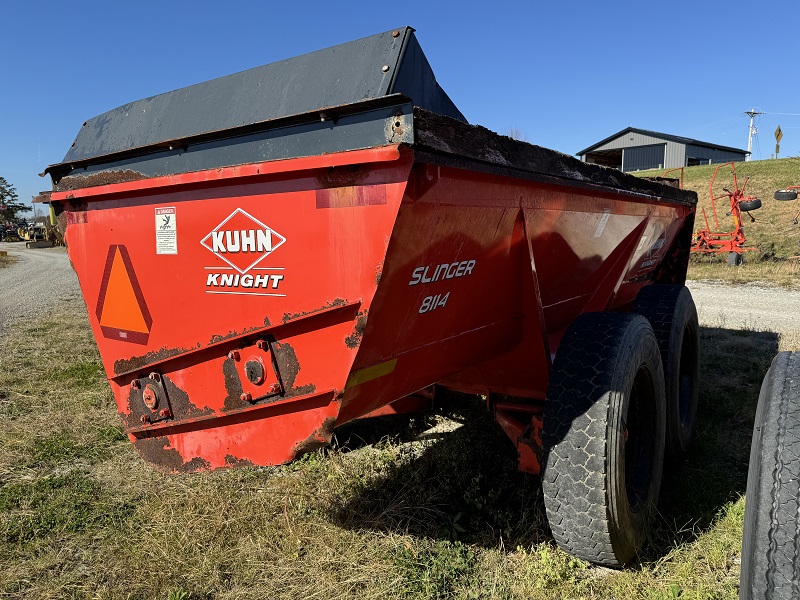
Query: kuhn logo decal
point(243, 242)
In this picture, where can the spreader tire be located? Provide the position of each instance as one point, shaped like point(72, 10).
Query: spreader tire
point(673, 315)
point(786, 195)
point(603, 437)
point(750, 205)
point(771, 540)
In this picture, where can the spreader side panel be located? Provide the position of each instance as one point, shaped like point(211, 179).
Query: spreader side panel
point(484, 273)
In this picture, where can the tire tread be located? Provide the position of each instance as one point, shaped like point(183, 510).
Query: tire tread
point(575, 423)
point(771, 541)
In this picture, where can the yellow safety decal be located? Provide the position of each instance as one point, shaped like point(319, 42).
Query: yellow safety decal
point(370, 373)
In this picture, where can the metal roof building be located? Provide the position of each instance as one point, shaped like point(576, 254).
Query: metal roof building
point(637, 150)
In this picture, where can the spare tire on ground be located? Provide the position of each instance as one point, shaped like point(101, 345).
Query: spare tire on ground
point(786, 195)
point(771, 540)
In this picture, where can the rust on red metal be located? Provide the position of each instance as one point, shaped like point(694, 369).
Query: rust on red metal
point(149, 397)
point(354, 339)
point(124, 366)
point(333, 304)
point(318, 438)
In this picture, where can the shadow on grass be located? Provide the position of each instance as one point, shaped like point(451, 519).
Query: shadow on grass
point(465, 485)
point(693, 495)
point(458, 485)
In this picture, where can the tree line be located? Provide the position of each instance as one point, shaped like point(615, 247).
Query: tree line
point(10, 206)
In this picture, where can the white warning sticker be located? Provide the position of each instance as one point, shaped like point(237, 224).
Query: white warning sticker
point(166, 230)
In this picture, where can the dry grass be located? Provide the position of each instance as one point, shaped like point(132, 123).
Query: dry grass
point(434, 509)
point(5, 260)
point(789, 341)
point(784, 273)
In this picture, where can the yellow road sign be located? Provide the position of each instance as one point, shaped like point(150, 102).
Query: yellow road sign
point(778, 134)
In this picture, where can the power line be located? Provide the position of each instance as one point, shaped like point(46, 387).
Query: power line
point(752, 113)
point(720, 122)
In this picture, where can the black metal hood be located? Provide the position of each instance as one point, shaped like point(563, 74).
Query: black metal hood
point(381, 65)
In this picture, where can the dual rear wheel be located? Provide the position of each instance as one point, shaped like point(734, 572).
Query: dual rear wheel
point(622, 399)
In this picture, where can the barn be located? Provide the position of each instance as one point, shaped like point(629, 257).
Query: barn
point(637, 149)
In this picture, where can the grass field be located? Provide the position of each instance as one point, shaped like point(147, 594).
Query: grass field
point(773, 232)
point(428, 508)
point(432, 508)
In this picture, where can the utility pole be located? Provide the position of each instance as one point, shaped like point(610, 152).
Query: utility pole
point(753, 130)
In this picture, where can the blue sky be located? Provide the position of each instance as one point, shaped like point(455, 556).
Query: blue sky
point(566, 74)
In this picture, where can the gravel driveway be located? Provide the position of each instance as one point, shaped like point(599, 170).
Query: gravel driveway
point(41, 279)
point(750, 306)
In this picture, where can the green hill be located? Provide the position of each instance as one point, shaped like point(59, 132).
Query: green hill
point(773, 230)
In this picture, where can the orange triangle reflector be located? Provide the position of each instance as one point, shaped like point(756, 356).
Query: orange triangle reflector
point(121, 309)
